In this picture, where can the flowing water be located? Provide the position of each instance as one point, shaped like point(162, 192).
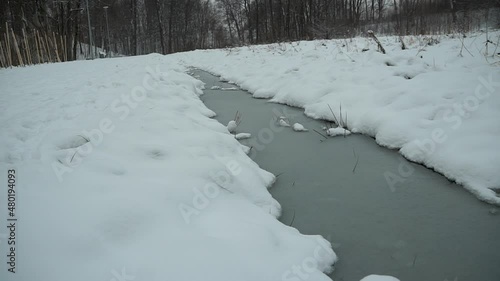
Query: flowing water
point(421, 228)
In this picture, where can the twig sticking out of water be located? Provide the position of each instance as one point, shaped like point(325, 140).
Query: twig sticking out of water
point(237, 118)
point(334, 116)
point(339, 121)
point(293, 218)
point(357, 160)
point(320, 134)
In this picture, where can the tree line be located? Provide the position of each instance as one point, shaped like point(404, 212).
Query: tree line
point(266, 21)
point(60, 28)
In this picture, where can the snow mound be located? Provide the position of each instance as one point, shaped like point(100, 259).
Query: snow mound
point(231, 126)
point(283, 123)
point(299, 127)
point(123, 171)
point(338, 131)
point(242, 136)
point(379, 278)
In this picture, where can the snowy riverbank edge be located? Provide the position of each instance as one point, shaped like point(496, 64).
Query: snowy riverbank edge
point(436, 102)
point(121, 174)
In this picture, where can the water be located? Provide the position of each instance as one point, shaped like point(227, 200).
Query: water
point(422, 229)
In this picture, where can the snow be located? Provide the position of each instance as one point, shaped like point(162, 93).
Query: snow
point(121, 172)
point(242, 136)
point(231, 126)
point(283, 123)
point(299, 127)
point(338, 131)
point(121, 169)
point(379, 278)
point(437, 104)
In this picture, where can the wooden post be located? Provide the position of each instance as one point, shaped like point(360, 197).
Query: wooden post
point(6, 51)
point(35, 33)
point(55, 46)
point(74, 44)
point(40, 47)
point(47, 47)
point(27, 48)
point(24, 51)
point(63, 48)
point(43, 51)
point(7, 40)
point(19, 57)
point(3, 59)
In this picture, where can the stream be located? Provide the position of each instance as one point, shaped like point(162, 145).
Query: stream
point(423, 228)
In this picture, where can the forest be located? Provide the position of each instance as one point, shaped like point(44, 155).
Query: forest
point(34, 31)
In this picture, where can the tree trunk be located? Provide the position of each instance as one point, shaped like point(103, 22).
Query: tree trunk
point(133, 10)
point(170, 27)
point(159, 13)
point(273, 35)
point(75, 36)
point(257, 20)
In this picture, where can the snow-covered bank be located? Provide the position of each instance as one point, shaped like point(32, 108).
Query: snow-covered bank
point(436, 102)
point(379, 278)
point(121, 175)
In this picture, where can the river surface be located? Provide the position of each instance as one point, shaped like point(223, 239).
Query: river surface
point(421, 227)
